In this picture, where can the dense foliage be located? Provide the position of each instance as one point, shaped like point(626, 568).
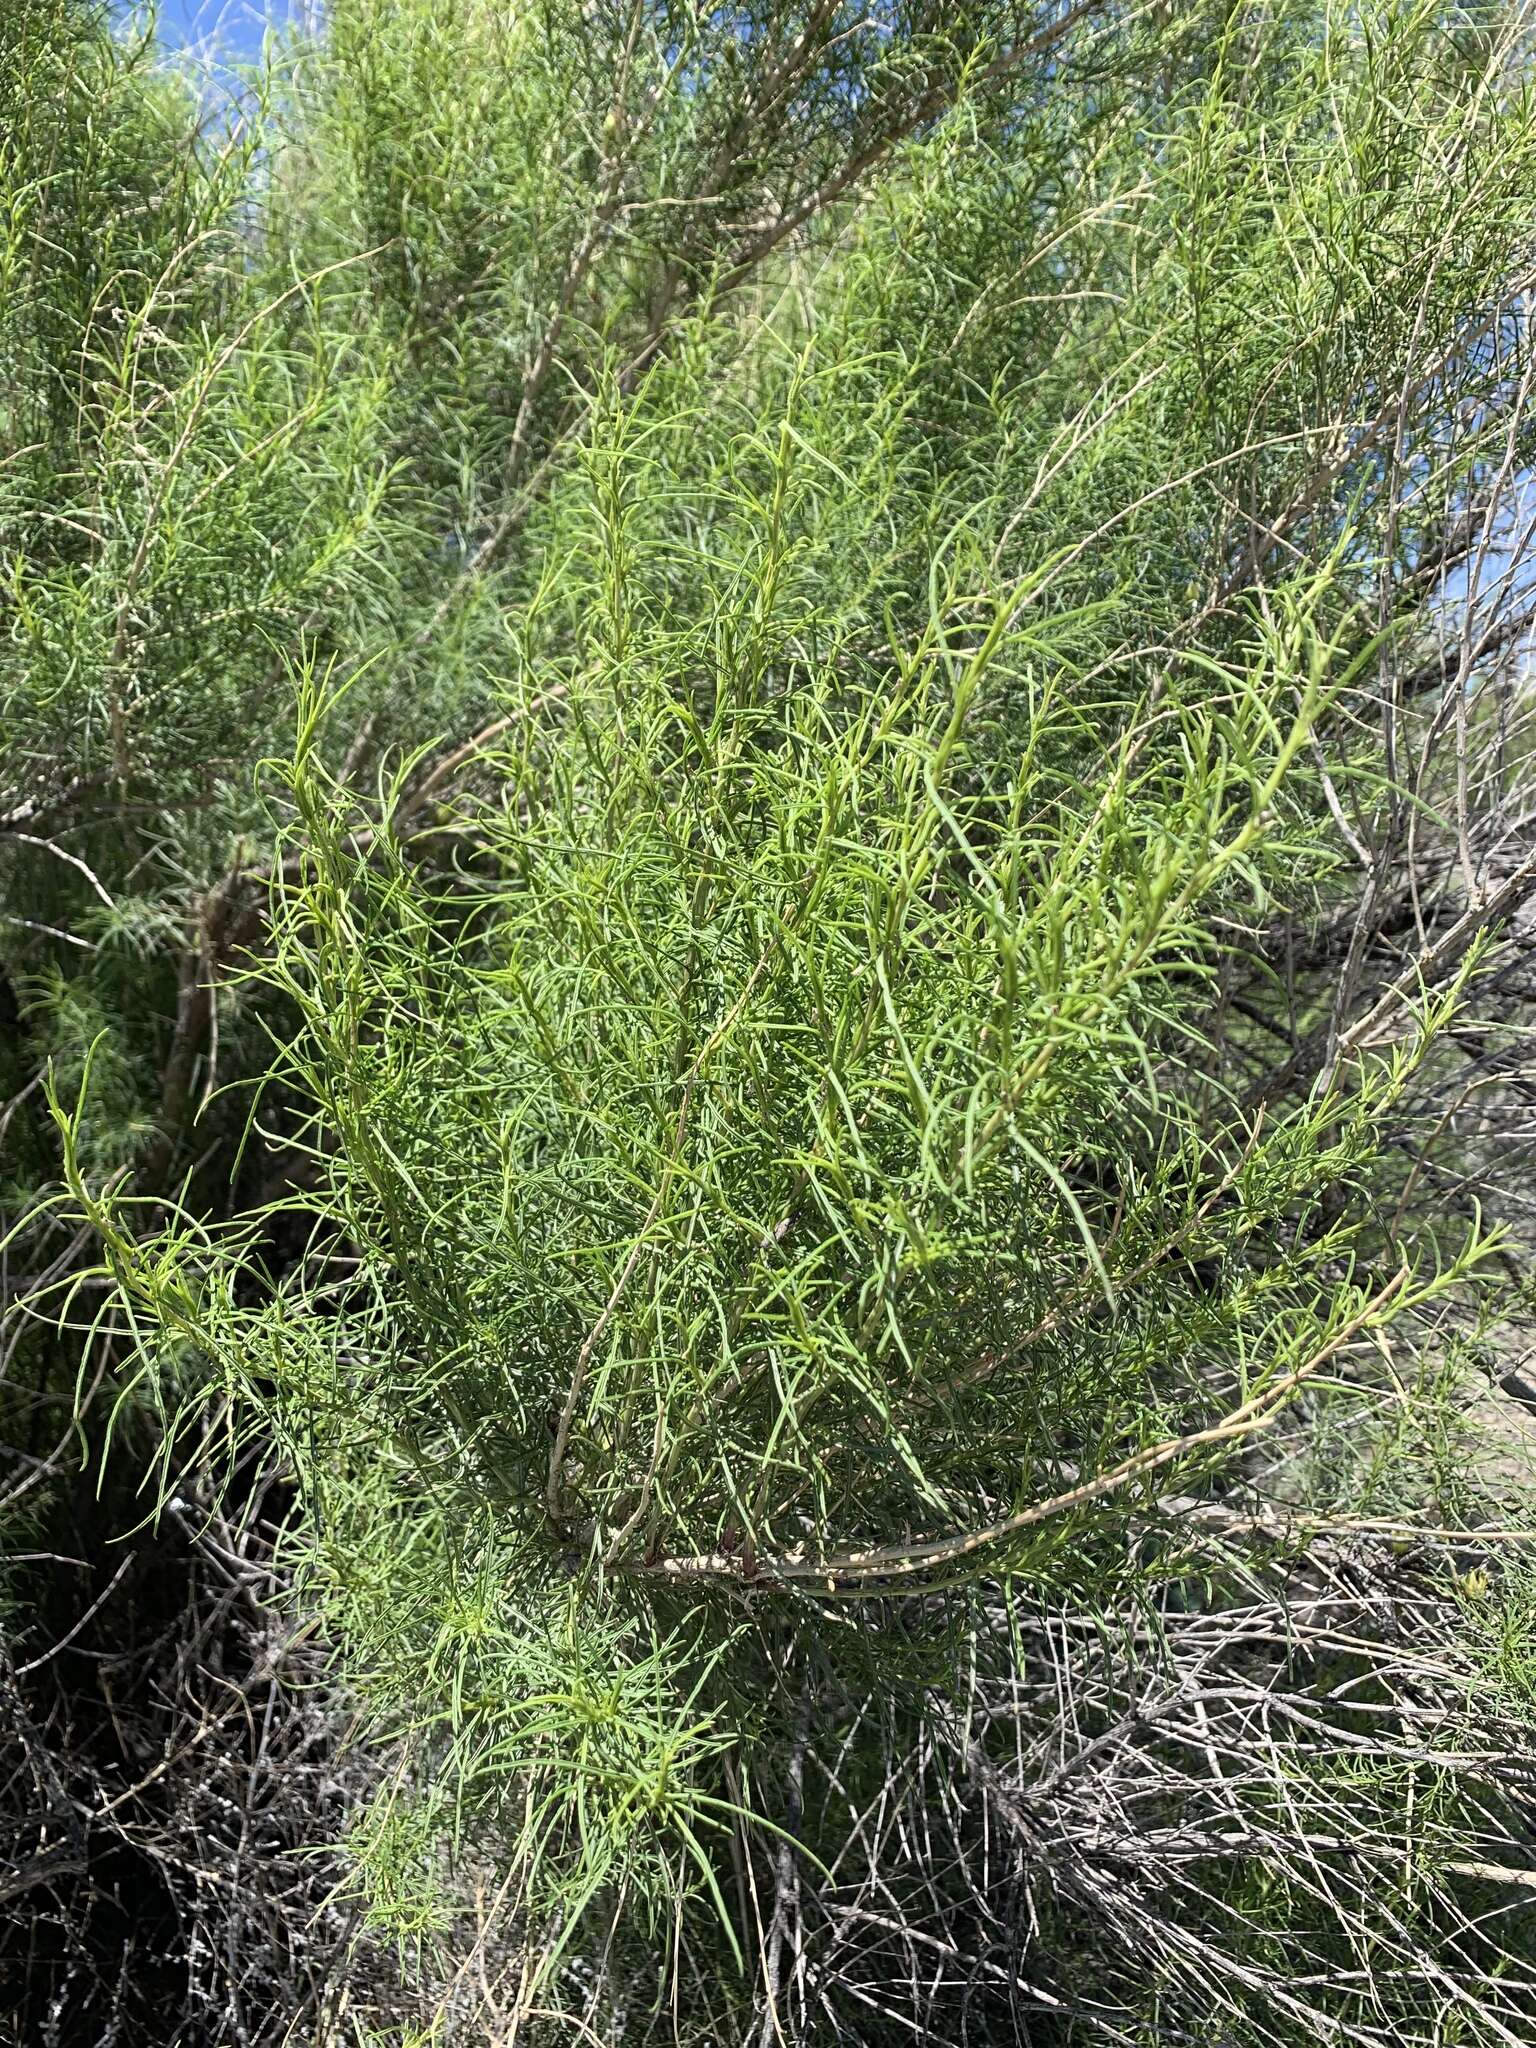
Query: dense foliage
point(765, 852)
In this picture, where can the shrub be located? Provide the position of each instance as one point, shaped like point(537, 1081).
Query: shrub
point(858, 1223)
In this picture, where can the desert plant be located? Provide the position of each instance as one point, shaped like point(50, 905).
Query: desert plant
point(856, 1228)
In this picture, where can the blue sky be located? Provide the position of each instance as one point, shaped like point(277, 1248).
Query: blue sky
point(236, 25)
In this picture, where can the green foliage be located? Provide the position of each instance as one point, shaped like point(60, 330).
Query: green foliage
point(861, 1179)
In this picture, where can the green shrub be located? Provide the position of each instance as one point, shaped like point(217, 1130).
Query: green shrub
point(856, 1214)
